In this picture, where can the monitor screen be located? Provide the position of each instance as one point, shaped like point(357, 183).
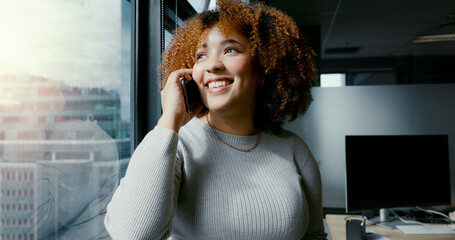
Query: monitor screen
point(397, 171)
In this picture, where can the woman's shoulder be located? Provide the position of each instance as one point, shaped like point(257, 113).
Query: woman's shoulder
point(290, 143)
point(287, 141)
point(290, 137)
point(194, 131)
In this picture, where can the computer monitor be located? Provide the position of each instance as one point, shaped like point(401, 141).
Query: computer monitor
point(397, 171)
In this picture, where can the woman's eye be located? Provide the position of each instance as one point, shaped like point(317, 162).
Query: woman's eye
point(231, 50)
point(200, 56)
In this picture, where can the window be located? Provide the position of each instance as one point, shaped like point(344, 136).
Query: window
point(64, 113)
point(333, 80)
point(378, 77)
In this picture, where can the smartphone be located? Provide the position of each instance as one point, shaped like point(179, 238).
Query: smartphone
point(191, 94)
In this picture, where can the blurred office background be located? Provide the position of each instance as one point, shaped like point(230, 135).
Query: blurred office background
point(79, 90)
point(384, 68)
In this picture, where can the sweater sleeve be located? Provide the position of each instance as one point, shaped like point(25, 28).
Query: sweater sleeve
point(144, 203)
point(311, 183)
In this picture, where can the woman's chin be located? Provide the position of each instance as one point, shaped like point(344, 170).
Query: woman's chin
point(219, 107)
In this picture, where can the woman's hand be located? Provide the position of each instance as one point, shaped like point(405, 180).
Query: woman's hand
point(174, 115)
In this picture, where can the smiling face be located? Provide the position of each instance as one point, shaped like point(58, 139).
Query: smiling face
point(226, 72)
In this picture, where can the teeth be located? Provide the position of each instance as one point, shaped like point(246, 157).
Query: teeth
point(218, 84)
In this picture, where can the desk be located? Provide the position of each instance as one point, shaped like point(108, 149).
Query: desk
point(337, 227)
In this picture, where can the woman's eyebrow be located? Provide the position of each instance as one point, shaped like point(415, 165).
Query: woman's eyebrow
point(229, 41)
point(224, 42)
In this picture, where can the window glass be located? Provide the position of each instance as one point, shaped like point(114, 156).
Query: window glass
point(167, 38)
point(64, 114)
point(198, 5)
point(372, 78)
point(333, 80)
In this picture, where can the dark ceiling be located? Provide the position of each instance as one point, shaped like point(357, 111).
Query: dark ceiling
point(366, 28)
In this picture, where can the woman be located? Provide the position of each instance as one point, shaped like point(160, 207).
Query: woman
point(229, 171)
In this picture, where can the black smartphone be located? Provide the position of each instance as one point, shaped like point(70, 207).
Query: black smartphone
point(191, 94)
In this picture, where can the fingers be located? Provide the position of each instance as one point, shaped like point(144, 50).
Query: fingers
point(197, 110)
point(172, 102)
point(187, 75)
point(175, 76)
point(173, 86)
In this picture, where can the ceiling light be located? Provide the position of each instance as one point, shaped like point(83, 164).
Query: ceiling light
point(434, 38)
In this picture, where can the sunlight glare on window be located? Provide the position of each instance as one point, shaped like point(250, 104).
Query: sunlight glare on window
point(64, 113)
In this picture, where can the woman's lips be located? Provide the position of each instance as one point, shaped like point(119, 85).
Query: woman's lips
point(220, 87)
point(216, 85)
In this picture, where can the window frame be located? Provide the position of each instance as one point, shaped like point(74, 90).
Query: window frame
point(147, 45)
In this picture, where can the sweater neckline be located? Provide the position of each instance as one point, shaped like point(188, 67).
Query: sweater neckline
point(225, 136)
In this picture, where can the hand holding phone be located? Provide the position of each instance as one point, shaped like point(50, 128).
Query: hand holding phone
point(191, 94)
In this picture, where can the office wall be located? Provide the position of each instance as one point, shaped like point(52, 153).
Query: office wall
point(371, 110)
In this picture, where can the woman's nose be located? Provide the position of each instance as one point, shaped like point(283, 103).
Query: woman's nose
point(214, 64)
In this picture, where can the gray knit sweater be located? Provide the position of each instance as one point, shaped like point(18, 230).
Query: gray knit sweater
point(192, 186)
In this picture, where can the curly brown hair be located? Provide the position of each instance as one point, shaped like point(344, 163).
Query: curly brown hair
point(284, 56)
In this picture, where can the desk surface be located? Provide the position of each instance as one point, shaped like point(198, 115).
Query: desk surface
point(337, 227)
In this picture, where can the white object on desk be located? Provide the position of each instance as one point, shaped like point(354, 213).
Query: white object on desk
point(427, 229)
point(452, 216)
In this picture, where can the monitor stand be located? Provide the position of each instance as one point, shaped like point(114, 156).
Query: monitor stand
point(386, 221)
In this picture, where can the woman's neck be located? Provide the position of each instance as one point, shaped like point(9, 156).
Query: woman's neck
point(242, 125)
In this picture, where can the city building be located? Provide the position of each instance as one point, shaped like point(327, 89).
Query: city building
point(59, 157)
